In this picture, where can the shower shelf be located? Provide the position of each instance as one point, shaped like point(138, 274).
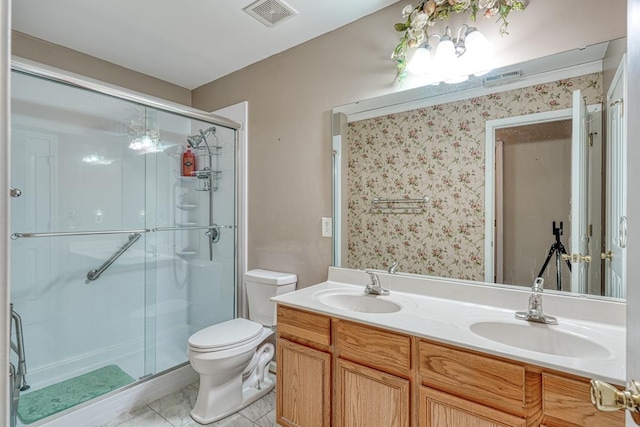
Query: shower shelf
point(187, 207)
point(186, 254)
point(215, 151)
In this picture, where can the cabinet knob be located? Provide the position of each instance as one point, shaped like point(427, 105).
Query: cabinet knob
point(608, 255)
point(607, 398)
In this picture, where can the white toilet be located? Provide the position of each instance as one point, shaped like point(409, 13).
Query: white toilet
point(232, 357)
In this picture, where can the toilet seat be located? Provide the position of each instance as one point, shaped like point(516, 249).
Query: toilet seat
point(226, 335)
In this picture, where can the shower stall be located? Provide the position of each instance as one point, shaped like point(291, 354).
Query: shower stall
point(117, 257)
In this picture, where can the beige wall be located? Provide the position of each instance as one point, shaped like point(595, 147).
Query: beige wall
point(38, 50)
point(290, 100)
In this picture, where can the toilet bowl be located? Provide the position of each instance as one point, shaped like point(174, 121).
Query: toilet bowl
point(232, 357)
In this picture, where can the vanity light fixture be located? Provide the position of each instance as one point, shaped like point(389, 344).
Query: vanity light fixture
point(417, 21)
point(455, 58)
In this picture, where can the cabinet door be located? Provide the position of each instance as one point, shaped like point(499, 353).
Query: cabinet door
point(567, 402)
point(303, 386)
point(366, 397)
point(438, 409)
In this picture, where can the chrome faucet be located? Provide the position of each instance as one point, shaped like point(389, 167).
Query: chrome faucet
point(392, 268)
point(374, 288)
point(534, 313)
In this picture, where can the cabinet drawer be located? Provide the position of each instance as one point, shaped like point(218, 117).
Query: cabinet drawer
point(377, 348)
point(488, 381)
point(569, 400)
point(303, 327)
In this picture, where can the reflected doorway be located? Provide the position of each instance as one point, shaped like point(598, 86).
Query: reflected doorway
point(533, 196)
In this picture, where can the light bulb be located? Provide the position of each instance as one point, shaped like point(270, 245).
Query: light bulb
point(476, 44)
point(419, 64)
point(446, 52)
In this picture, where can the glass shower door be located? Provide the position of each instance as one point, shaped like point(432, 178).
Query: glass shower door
point(194, 240)
point(117, 254)
point(69, 162)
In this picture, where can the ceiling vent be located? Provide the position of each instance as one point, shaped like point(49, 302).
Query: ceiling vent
point(502, 78)
point(270, 12)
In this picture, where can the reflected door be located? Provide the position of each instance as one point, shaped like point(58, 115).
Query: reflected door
point(579, 192)
point(615, 246)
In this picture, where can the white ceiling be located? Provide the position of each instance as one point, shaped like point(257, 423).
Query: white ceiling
point(185, 42)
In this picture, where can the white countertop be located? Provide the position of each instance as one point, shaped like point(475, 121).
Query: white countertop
point(444, 310)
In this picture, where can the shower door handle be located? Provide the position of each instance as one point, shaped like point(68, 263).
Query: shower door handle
point(213, 236)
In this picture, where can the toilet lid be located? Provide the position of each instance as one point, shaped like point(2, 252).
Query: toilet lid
point(226, 335)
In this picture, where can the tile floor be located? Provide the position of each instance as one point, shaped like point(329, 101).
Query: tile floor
point(173, 411)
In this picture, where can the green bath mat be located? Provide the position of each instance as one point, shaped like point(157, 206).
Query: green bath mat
point(55, 398)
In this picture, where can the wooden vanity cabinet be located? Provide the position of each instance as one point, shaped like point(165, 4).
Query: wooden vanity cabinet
point(334, 372)
point(303, 377)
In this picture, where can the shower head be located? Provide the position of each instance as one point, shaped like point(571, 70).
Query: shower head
point(195, 140)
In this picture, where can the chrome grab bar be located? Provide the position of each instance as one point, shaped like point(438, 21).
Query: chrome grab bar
point(16, 236)
point(18, 347)
point(94, 274)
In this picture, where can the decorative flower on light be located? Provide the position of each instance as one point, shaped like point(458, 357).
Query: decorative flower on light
point(418, 19)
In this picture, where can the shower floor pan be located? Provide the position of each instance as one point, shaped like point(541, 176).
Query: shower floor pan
point(42, 403)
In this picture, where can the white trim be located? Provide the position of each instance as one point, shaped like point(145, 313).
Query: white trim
point(337, 199)
point(413, 99)
point(240, 113)
point(5, 156)
point(499, 204)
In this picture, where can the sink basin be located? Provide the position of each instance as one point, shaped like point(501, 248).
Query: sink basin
point(541, 338)
point(357, 301)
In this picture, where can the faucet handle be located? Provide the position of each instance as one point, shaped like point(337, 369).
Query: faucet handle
point(375, 280)
point(538, 285)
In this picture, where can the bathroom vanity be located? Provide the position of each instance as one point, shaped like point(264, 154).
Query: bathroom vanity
point(438, 354)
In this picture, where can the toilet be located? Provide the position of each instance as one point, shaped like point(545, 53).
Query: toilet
point(232, 357)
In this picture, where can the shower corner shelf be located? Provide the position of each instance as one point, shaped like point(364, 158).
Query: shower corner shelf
point(187, 207)
point(186, 254)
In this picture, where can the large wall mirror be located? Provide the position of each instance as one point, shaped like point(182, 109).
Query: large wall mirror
point(500, 179)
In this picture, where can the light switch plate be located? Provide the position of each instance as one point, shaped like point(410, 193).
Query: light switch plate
point(327, 226)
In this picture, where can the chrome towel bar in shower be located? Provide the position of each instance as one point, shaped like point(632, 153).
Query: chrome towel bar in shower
point(94, 274)
point(194, 227)
point(16, 236)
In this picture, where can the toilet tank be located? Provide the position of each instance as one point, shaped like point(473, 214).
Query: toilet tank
point(261, 286)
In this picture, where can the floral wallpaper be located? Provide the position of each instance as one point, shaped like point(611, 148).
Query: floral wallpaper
point(436, 152)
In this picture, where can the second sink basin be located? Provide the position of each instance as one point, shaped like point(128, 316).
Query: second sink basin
point(357, 301)
point(541, 338)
